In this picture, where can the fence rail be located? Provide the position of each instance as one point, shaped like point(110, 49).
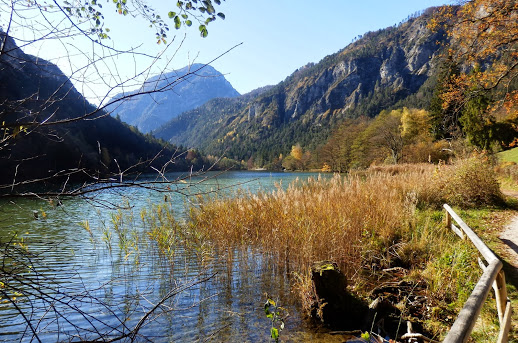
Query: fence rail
point(492, 277)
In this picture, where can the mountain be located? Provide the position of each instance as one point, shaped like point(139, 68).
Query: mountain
point(178, 91)
point(42, 133)
point(396, 66)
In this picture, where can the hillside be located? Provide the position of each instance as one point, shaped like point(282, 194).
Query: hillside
point(393, 66)
point(178, 91)
point(34, 95)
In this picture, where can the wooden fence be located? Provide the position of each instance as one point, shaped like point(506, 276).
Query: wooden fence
point(493, 276)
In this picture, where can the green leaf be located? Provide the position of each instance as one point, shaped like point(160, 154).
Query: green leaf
point(188, 22)
point(274, 333)
point(210, 9)
point(171, 14)
point(185, 16)
point(177, 22)
point(221, 15)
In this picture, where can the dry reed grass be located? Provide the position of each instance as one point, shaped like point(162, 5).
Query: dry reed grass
point(353, 220)
point(337, 219)
point(364, 222)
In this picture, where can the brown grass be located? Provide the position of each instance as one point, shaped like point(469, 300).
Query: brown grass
point(338, 219)
point(365, 222)
point(352, 220)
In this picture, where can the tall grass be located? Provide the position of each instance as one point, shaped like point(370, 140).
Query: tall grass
point(341, 219)
point(356, 221)
point(365, 222)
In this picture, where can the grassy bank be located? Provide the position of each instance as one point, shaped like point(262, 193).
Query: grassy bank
point(379, 226)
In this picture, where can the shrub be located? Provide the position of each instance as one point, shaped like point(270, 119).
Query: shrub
point(470, 183)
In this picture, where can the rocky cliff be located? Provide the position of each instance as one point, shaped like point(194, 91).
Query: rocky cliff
point(378, 71)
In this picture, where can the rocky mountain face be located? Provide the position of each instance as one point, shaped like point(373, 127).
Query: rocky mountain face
point(383, 69)
point(177, 92)
point(42, 135)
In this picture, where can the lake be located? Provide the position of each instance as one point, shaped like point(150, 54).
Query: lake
point(89, 284)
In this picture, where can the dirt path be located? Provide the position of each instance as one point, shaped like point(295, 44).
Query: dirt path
point(510, 238)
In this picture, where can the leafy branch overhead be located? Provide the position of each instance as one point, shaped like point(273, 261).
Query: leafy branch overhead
point(91, 12)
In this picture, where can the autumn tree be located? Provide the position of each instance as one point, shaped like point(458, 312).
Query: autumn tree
point(298, 159)
point(337, 153)
point(384, 137)
point(483, 44)
point(297, 152)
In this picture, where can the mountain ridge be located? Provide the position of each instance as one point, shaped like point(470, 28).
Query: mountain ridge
point(376, 72)
point(45, 137)
point(171, 94)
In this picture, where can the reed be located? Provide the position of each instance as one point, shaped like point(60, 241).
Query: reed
point(366, 222)
point(354, 220)
point(347, 220)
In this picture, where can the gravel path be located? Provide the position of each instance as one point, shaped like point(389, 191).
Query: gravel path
point(510, 238)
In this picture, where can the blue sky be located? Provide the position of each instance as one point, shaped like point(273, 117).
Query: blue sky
point(277, 36)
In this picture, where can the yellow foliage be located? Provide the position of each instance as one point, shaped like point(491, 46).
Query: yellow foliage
point(326, 168)
point(296, 152)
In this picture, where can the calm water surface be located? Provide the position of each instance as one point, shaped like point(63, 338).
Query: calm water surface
point(123, 284)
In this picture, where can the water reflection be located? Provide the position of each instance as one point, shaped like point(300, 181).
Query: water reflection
point(111, 289)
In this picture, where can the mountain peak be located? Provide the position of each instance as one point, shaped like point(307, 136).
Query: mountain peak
point(175, 92)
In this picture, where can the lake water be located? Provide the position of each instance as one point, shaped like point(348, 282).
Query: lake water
point(85, 288)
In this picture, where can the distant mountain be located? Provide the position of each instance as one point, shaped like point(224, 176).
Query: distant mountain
point(34, 91)
point(396, 66)
point(179, 91)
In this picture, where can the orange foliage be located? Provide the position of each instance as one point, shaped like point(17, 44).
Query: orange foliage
point(484, 42)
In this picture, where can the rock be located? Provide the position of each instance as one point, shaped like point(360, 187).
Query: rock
point(334, 305)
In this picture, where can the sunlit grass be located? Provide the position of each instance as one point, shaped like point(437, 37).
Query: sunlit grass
point(510, 155)
point(365, 222)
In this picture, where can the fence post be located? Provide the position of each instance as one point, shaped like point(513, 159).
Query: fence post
point(500, 295)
